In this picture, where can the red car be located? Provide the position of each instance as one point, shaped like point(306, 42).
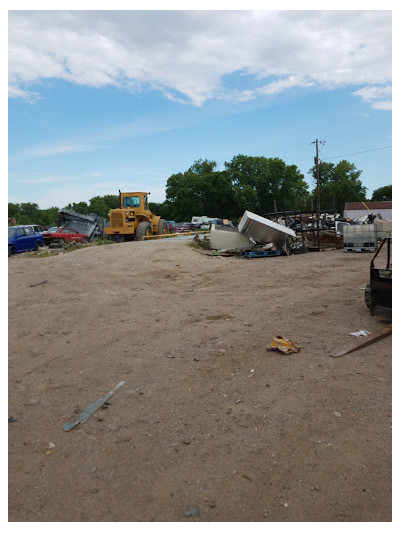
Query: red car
point(63, 235)
point(181, 227)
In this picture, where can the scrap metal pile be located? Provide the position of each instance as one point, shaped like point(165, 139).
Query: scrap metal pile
point(255, 236)
point(258, 236)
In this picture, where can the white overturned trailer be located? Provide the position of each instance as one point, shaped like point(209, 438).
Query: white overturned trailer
point(264, 231)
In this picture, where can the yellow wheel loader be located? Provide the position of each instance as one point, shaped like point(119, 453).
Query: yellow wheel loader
point(133, 220)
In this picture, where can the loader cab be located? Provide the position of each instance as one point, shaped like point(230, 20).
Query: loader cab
point(134, 200)
point(130, 201)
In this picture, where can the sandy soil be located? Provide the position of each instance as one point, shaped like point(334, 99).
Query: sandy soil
point(209, 426)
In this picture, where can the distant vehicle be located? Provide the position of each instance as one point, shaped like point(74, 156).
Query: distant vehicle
point(182, 227)
point(23, 239)
point(217, 222)
point(222, 222)
point(36, 228)
point(199, 221)
point(64, 235)
point(171, 224)
point(133, 220)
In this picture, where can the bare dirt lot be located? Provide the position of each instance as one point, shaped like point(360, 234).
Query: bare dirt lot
point(209, 426)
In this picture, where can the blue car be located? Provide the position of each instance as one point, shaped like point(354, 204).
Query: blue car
point(22, 239)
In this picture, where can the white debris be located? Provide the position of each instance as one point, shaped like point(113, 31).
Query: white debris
point(360, 333)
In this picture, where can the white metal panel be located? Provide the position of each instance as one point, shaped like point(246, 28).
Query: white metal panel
point(263, 230)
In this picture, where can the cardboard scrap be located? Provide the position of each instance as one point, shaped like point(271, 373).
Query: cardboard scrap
point(282, 345)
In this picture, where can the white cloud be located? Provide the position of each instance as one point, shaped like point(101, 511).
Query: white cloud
point(16, 92)
point(51, 149)
point(186, 54)
point(89, 141)
point(384, 105)
point(379, 97)
point(272, 88)
point(41, 180)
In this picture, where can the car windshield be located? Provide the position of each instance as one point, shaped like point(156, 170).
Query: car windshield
point(52, 230)
point(11, 232)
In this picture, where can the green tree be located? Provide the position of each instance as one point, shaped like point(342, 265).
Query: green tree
point(111, 201)
point(266, 182)
point(383, 194)
point(338, 184)
point(79, 207)
point(13, 210)
point(200, 191)
point(48, 217)
point(101, 205)
point(29, 213)
point(98, 206)
point(246, 198)
point(160, 209)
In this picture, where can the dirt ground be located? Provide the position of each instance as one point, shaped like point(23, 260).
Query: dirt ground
point(209, 426)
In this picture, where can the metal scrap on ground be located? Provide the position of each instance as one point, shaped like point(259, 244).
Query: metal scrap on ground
point(38, 283)
point(91, 409)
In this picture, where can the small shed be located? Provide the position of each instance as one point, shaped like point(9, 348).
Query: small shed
point(354, 210)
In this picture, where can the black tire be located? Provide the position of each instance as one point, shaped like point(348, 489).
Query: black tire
point(367, 296)
point(162, 227)
point(37, 246)
point(61, 241)
point(10, 251)
point(144, 229)
point(298, 247)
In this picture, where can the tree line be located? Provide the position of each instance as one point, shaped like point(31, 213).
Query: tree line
point(258, 184)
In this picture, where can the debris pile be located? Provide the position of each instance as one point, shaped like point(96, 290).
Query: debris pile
point(91, 224)
point(255, 236)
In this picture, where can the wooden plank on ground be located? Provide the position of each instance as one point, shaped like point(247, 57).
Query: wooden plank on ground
point(364, 341)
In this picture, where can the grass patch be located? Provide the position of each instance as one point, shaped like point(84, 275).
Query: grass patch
point(203, 244)
point(101, 242)
point(70, 247)
point(46, 253)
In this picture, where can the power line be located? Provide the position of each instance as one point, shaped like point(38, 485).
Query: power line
point(355, 153)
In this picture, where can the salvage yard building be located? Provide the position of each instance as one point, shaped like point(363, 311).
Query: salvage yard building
point(355, 210)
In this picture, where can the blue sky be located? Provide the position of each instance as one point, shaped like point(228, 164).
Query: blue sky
point(108, 100)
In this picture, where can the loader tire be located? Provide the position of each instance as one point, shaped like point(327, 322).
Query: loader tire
point(162, 227)
point(144, 229)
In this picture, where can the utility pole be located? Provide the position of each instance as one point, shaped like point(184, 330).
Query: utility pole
point(316, 161)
